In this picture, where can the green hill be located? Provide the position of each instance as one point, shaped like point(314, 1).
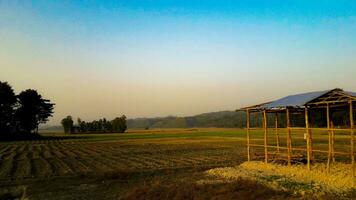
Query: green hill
point(221, 119)
point(214, 119)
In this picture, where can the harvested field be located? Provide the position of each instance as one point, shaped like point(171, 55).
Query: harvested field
point(109, 166)
point(30, 161)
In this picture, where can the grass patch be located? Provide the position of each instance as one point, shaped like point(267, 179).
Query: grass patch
point(296, 179)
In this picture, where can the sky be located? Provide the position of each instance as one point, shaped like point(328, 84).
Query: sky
point(152, 58)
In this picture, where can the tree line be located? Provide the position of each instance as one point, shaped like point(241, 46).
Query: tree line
point(117, 125)
point(237, 119)
point(20, 115)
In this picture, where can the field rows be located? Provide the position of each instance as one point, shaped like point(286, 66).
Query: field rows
point(40, 160)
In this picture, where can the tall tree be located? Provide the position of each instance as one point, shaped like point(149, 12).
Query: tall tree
point(32, 111)
point(81, 125)
point(119, 124)
point(67, 124)
point(7, 103)
point(107, 125)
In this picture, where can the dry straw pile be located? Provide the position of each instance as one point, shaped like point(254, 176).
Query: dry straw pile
point(296, 178)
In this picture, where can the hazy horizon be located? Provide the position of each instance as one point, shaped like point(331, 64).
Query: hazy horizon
point(157, 58)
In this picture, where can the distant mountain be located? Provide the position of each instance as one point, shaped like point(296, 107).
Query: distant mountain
point(221, 119)
point(227, 119)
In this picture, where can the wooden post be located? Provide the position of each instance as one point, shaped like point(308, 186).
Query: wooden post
point(329, 133)
point(289, 138)
point(352, 140)
point(265, 135)
point(248, 134)
point(332, 141)
point(277, 133)
point(311, 144)
point(308, 137)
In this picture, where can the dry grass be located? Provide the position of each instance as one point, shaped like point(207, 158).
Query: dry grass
point(295, 178)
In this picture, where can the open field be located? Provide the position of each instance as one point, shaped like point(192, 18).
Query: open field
point(42, 159)
point(97, 155)
point(111, 165)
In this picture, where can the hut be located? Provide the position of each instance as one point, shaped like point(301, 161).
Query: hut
point(307, 105)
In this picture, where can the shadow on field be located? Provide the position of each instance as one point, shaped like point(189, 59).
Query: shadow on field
point(181, 184)
point(239, 189)
point(36, 137)
point(172, 184)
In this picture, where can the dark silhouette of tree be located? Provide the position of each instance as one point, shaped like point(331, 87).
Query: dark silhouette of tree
point(7, 103)
point(81, 126)
point(119, 124)
point(107, 126)
point(32, 110)
point(67, 124)
point(101, 126)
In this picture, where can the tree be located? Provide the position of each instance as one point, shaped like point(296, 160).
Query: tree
point(7, 103)
point(119, 124)
point(96, 126)
point(67, 124)
point(81, 126)
point(32, 111)
point(100, 126)
point(107, 126)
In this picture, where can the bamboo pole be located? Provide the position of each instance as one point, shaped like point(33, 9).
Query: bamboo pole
point(248, 134)
point(352, 139)
point(308, 137)
point(276, 130)
point(332, 141)
point(289, 138)
point(311, 144)
point(329, 133)
point(301, 149)
point(265, 135)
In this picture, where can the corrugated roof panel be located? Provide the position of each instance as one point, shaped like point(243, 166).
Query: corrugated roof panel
point(351, 93)
point(298, 100)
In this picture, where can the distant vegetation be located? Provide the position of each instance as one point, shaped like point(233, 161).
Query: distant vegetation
point(117, 125)
point(215, 119)
point(236, 119)
point(20, 115)
point(222, 119)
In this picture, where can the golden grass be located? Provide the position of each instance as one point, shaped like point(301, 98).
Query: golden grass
point(296, 177)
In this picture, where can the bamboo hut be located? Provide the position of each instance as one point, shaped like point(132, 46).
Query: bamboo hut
point(306, 104)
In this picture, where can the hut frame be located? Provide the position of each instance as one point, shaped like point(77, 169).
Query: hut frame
point(335, 99)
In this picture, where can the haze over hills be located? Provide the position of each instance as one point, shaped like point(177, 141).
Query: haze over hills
point(212, 119)
point(220, 119)
point(226, 119)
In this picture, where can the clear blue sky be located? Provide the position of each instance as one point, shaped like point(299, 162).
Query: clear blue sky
point(157, 58)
